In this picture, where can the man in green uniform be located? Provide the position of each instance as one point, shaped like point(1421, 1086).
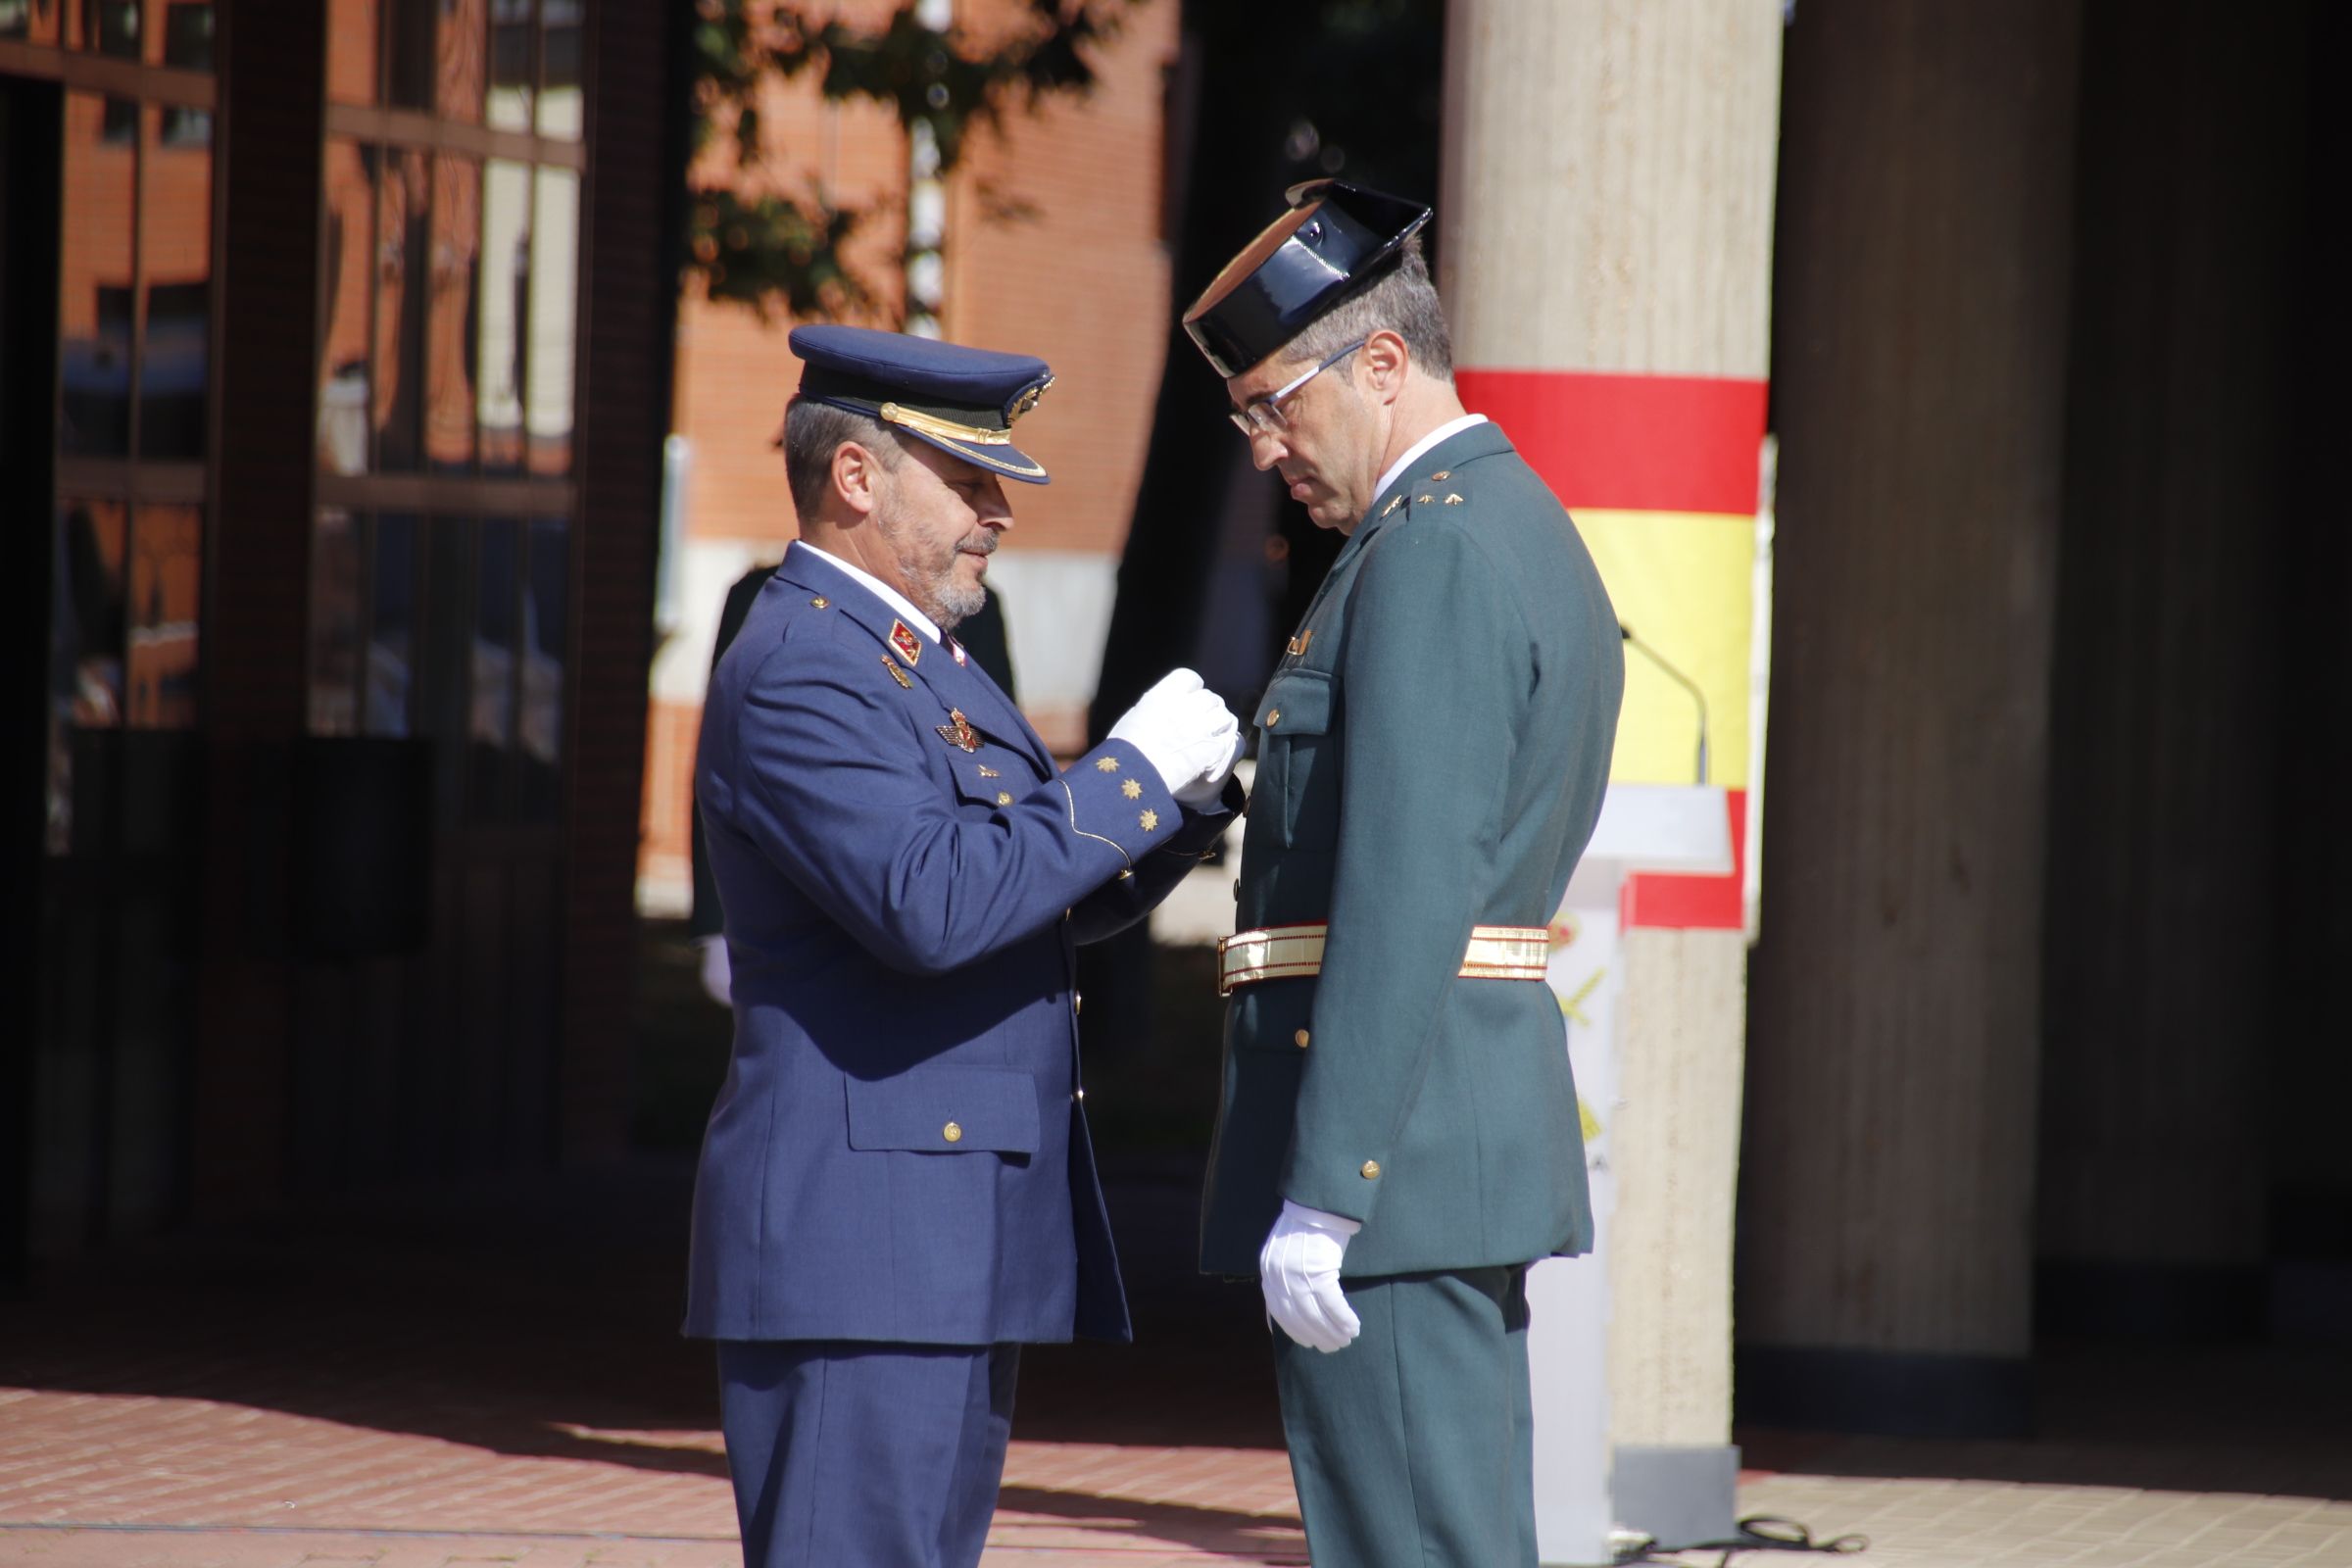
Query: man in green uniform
point(1399, 1139)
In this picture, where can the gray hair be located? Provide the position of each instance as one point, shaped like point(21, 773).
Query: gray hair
point(812, 432)
point(1404, 302)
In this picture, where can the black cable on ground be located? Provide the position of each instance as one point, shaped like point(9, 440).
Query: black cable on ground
point(1758, 1532)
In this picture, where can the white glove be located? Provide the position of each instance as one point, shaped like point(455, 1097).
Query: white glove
point(1184, 730)
point(1201, 791)
point(1298, 1269)
point(718, 980)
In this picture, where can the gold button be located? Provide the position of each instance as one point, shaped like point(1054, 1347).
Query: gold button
point(819, 601)
point(1078, 1095)
point(1442, 473)
point(1273, 717)
point(1077, 1002)
point(1299, 1039)
point(954, 1134)
point(1003, 797)
point(1371, 1170)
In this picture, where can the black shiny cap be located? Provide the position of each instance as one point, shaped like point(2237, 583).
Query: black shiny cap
point(1335, 241)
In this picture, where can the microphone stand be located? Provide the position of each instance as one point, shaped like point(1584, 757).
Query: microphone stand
point(1680, 679)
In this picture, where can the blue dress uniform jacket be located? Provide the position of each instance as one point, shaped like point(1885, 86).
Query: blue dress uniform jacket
point(1432, 754)
point(898, 1151)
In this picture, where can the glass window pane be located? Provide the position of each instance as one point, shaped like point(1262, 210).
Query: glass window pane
point(392, 626)
point(555, 273)
point(85, 646)
point(175, 216)
point(409, 39)
point(166, 594)
point(87, 654)
point(94, 279)
point(452, 309)
point(490, 725)
point(514, 64)
point(334, 622)
point(445, 633)
point(465, 40)
point(30, 21)
point(402, 272)
point(112, 26)
point(546, 645)
point(186, 35)
point(506, 270)
point(346, 264)
point(562, 41)
point(352, 31)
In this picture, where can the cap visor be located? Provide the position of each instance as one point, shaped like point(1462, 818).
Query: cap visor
point(1009, 461)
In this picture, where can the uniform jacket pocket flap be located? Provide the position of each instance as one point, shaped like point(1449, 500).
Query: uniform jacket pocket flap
point(992, 775)
point(1298, 702)
point(947, 1111)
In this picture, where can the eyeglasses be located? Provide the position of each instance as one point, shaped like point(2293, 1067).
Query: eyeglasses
point(1263, 415)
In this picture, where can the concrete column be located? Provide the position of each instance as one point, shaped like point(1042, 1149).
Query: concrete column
point(1921, 315)
point(1606, 228)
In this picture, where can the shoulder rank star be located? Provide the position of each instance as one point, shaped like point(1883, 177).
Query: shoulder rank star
point(909, 646)
point(959, 731)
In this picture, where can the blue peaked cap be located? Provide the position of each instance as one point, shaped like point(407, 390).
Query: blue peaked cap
point(960, 400)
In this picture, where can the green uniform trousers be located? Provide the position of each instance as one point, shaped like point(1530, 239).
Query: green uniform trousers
point(1413, 1448)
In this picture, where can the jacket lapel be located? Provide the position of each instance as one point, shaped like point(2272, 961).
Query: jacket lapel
point(963, 688)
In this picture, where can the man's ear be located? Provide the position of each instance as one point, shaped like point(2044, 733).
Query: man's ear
point(856, 476)
point(1385, 360)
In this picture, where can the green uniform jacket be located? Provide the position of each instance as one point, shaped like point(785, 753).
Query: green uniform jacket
point(1431, 757)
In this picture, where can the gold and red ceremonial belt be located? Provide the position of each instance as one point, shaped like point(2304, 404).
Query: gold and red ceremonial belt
point(1289, 951)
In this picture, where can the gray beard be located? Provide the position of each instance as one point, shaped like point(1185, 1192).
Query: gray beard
point(945, 601)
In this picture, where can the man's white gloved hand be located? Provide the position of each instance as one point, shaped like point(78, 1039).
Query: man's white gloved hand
point(1298, 1269)
point(718, 979)
point(1201, 791)
point(1184, 730)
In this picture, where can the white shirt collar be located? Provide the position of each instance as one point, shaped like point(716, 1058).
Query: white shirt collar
point(880, 590)
point(1444, 433)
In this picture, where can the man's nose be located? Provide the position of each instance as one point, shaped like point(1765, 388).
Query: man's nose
point(1266, 449)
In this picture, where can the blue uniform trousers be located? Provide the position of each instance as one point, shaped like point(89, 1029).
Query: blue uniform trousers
point(1414, 1446)
point(850, 1455)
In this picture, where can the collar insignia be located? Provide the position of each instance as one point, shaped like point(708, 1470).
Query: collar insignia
point(959, 731)
point(955, 648)
point(909, 646)
point(896, 673)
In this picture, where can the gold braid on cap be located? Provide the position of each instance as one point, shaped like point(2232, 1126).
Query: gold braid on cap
point(945, 429)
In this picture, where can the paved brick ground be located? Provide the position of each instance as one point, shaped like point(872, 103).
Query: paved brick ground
point(502, 1384)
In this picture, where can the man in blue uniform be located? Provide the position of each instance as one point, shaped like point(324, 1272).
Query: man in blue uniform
point(896, 1188)
point(1398, 1137)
